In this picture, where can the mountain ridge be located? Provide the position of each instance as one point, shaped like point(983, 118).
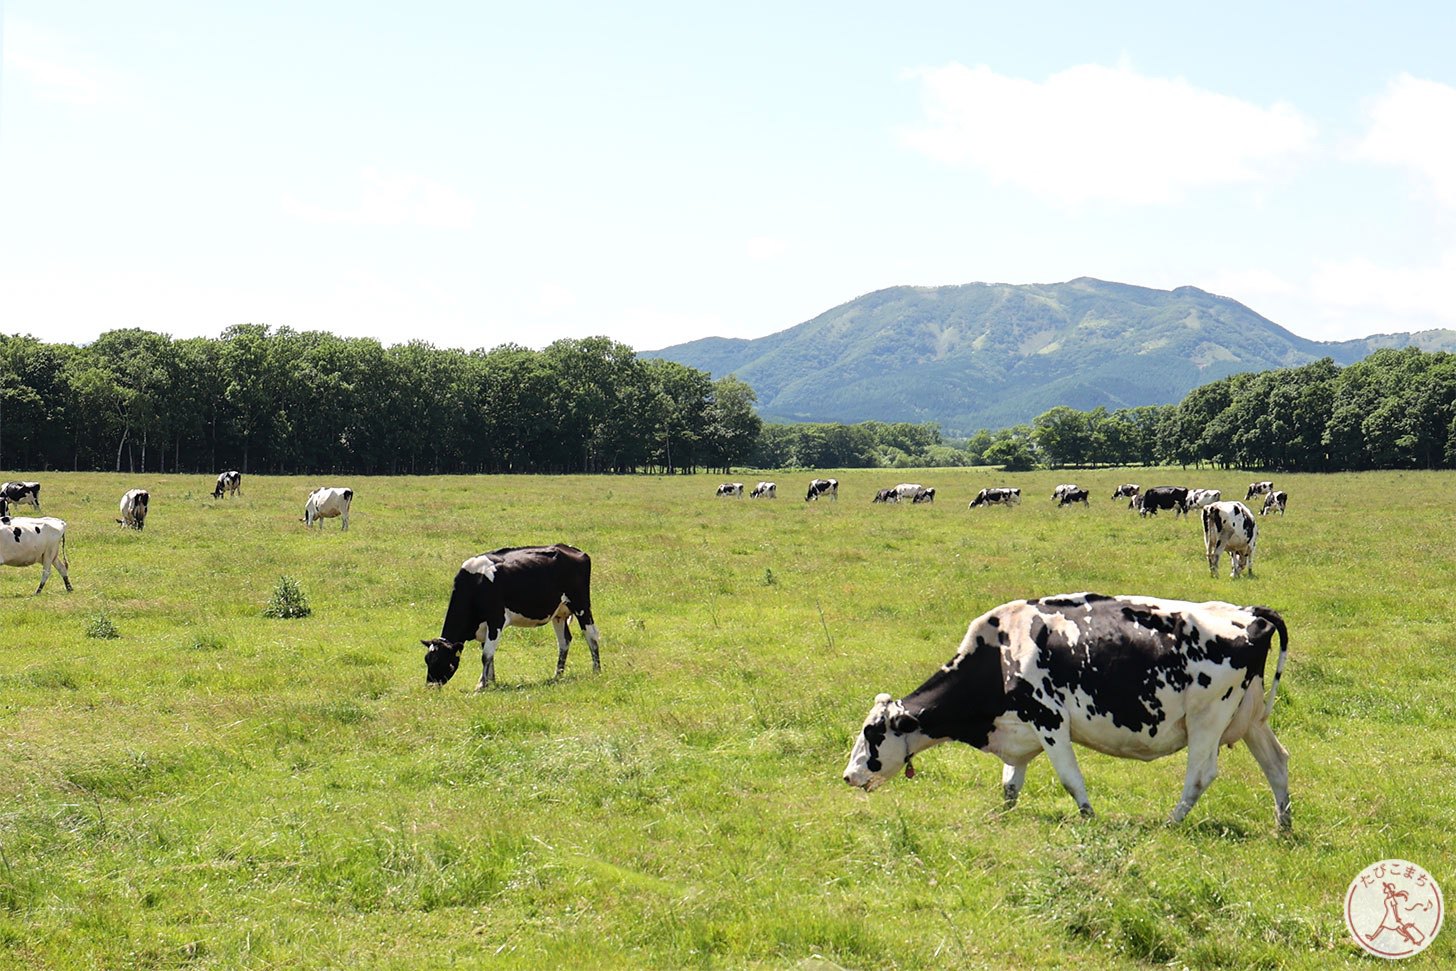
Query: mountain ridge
point(985, 355)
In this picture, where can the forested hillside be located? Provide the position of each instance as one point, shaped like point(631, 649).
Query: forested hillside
point(992, 355)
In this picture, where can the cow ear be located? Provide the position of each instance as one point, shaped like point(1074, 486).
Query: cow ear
point(428, 643)
point(903, 724)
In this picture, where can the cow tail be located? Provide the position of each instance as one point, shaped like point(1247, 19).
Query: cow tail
point(1273, 617)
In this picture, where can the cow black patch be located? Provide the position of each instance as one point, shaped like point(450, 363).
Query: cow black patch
point(17, 534)
point(874, 735)
point(1204, 680)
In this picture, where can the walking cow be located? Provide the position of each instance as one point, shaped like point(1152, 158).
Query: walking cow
point(996, 497)
point(1134, 677)
point(734, 489)
point(518, 587)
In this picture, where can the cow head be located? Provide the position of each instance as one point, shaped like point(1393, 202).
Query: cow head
point(441, 660)
point(884, 745)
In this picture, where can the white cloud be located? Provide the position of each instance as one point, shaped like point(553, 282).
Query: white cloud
point(54, 70)
point(1413, 126)
point(1101, 133)
point(392, 199)
point(1388, 297)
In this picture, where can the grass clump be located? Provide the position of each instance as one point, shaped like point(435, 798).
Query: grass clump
point(288, 600)
point(102, 628)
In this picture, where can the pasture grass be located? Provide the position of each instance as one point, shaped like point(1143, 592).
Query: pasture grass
point(215, 789)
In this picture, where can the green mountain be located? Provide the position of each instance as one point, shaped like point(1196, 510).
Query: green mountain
point(987, 355)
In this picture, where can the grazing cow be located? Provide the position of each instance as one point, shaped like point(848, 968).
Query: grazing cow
point(1161, 497)
point(26, 542)
point(327, 503)
point(1229, 526)
point(1071, 496)
point(20, 493)
point(765, 490)
point(1134, 677)
point(1258, 489)
point(1274, 501)
point(230, 482)
point(731, 489)
point(908, 490)
point(1126, 491)
point(819, 487)
point(522, 587)
point(1063, 489)
point(924, 495)
point(994, 497)
point(885, 495)
point(134, 509)
point(1198, 498)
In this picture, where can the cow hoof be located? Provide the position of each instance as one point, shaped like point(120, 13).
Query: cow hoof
point(1087, 812)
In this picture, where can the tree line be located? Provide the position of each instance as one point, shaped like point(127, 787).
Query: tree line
point(285, 401)
point(1395, 409)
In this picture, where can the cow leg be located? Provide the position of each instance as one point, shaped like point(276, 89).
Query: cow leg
point(1274, 760)
point(563, 642)
point(346, 520)
point(1203, 742)
point(1013, 777)
point(593, 639)
point(1058, 748)
point(1213, 559)
point(487, 660)
point(45, 574)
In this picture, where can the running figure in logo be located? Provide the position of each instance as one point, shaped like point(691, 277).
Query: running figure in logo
point(1391, 920)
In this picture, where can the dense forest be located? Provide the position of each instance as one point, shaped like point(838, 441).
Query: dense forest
point(286, 401)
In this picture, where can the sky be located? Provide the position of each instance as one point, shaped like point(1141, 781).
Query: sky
point(479, 173)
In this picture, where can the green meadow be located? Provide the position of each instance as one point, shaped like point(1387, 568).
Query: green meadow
point(216, 789)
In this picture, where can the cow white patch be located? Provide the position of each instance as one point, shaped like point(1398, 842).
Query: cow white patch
point(482, 565)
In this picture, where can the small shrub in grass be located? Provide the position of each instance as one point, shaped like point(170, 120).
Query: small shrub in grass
point(102, 627)
point(287, 601)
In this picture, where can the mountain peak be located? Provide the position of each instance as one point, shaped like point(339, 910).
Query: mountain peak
point(987, 355)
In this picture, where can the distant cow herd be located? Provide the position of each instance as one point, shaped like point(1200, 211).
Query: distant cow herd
point(1136, 677)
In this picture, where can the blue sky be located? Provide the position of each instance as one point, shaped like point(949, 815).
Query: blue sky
point(473, 174)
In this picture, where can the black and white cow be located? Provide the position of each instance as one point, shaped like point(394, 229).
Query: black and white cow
point(20, 494)
point(765, 490)
point(734, 489)
point(924, 495)
point(1071, 496)
point(1198, 498)
point(885, 495)
point(1275, 502)
point(524, 586)
point(1063, 489)
point(134, 509)
point(1134, 677)
point(1259, 489)
point(1161, 497)
point(328, 503)
point(994, 497)
point(1126, 491)
point(230, 482)
point(26, 542)
point(820, 487)
point(1230, 526)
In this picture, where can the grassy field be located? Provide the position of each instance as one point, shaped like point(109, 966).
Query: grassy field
point(215, 789)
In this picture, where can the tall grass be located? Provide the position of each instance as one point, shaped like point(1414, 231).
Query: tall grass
point(216, 789)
